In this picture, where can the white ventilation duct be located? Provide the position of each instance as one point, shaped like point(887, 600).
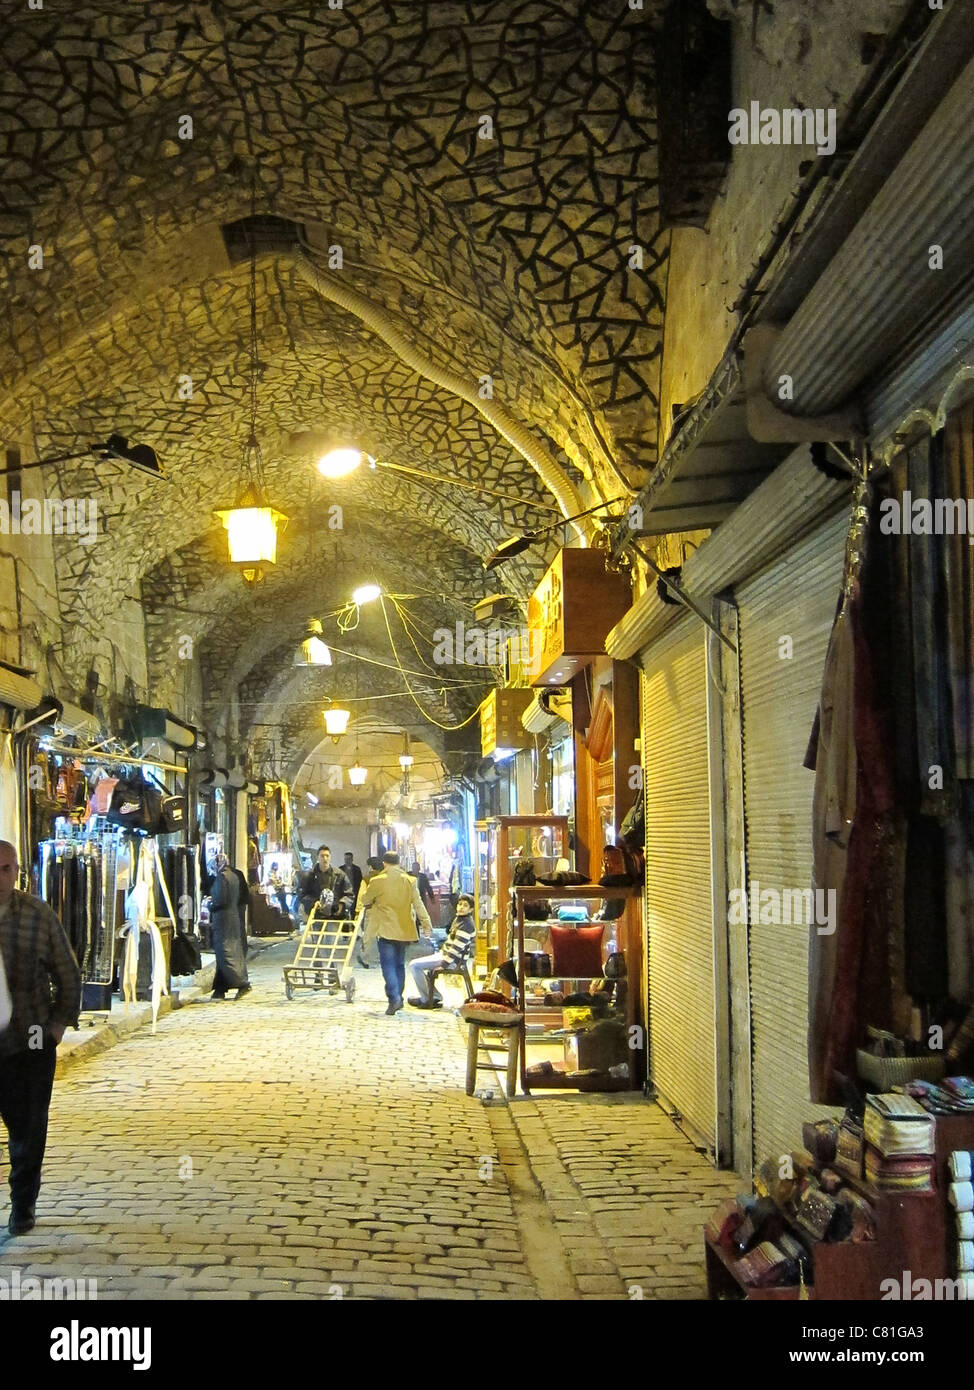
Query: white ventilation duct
point(17, 689)
point(538, 719)
point(517, 434)
point(214, 777)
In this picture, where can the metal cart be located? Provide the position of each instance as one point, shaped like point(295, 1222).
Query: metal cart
point(323, 959)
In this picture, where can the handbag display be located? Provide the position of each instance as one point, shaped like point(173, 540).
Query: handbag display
point(135, 806)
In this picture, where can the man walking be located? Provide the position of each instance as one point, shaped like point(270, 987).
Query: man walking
point(45, 991)
point(353, 873)
point(325, 879)
point(391, 900)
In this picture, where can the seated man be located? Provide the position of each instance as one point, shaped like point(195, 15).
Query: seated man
point(454, 951)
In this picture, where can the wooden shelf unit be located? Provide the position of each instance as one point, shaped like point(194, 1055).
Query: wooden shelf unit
point(629, 941)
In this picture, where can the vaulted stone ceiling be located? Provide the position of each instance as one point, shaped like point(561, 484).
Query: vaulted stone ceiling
point(485, 170)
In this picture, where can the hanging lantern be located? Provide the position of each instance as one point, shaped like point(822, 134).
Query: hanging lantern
point(313, 651)
point(336, 721)
point(251, 531)
point(251, 524)
point(405, 762)
point(357, 774)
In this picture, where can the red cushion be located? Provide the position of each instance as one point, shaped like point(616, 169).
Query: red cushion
point(577, 950)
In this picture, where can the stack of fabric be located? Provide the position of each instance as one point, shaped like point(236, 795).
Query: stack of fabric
point(962, 1200)
point(899, 1143)
point(954, 1096)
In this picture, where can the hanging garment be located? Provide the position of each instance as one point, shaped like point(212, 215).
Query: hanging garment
point(9, 799)
point(960, 896)
point(849, 979)
point(159, 986)
point(925, 472)
point(959, 483)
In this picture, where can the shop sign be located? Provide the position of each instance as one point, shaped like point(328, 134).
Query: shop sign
point(573, 609)
point(500, 720)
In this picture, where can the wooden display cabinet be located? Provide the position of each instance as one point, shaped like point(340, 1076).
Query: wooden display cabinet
point(501, 842)
point(628, 935)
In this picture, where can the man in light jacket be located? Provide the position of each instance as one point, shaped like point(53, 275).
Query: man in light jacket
point(393, 904)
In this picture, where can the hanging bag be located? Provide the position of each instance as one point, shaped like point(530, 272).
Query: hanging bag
point(6, 1003)
point(632, 831)
point(136, 806)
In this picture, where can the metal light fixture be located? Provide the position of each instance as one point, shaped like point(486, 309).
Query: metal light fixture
point(313, 651)
point(405, 762)
point(116, 447)
point(252, 523)
point(516, 545)
point(336, 721)
point(357, 774)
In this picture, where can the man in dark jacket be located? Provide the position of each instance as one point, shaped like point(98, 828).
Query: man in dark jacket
point(45, 993)
point(325, 878)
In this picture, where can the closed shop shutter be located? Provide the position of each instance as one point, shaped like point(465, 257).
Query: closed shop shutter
point(795, 598)
point(679, 907)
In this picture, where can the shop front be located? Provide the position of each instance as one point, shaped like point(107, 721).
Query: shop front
point(102, 839)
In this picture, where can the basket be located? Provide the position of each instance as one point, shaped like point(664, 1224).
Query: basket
point(894, 1071)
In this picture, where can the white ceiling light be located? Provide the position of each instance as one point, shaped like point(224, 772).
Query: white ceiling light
point(366, 593)
point(338, 463)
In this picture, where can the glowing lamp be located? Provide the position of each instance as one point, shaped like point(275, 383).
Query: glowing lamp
point(339, 463)
point(357, 774)
point(366, 593)
point(336, 721)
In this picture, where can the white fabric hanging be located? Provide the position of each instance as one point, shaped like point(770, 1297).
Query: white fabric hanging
point(6, 1004)
point(9, 817)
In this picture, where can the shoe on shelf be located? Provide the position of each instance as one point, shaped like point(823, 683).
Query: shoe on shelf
point(244, 989)
point(21, 1221)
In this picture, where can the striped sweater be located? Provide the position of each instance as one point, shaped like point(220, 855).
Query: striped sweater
point(460, 939)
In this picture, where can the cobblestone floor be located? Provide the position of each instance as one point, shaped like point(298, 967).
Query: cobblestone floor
point(315, 1149)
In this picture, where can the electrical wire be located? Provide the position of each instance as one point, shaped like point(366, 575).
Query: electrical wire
point(409, 691)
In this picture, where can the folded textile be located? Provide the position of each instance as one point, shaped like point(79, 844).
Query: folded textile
point(898, 1126)
point(961, 1196)
point(764, 1265)
point(960, 1165)
point(723, 1223)
point(965, 1256)
point(899, 1173)
point(965, 1225)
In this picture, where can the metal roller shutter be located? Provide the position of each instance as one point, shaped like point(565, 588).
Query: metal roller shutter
point(794, 598)
point(679, 907)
